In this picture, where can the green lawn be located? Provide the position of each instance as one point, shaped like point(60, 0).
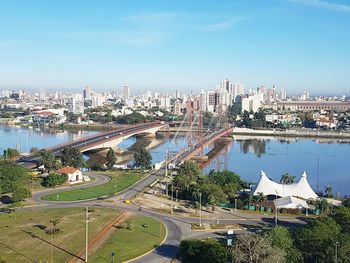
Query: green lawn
point(128, 244)
point(24, 239)
point(120, 180)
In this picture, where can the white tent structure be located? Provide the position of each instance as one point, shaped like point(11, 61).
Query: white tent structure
point(299, 189)
point(291, 202)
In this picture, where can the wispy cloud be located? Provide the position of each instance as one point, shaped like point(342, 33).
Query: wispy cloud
point(216, 26)
point(223, 25)
point(153, 29)
point(324, 4)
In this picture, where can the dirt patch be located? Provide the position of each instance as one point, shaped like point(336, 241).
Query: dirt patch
point(101, 237)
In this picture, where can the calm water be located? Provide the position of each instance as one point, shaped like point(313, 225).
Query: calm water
point(26, 137)
point(324, 161)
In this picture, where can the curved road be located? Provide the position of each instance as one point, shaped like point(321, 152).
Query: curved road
point(178, 227)
point(99, 179)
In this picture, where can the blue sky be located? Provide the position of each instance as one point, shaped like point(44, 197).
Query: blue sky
point(184, 44)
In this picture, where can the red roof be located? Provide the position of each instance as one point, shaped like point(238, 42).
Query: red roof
point(67, 170)
point(45, 113)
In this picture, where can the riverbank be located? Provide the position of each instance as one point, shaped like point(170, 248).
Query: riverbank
point(306, 133)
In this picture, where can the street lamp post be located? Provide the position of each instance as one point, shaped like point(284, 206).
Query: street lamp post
point(172, 197)
point(86, 233)
point(336, 251)
point(200, 209)
point(276, 209)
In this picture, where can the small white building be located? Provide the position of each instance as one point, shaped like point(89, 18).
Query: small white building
point(74, 174)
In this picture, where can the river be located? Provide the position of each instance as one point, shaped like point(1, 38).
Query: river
point(325, 161)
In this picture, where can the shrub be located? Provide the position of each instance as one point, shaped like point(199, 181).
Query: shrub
point(55, 179)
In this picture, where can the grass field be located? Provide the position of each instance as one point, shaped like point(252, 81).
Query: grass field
point(24, 239)
point(120, 180)
point(128, 244)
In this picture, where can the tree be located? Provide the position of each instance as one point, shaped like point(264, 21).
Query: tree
point(260, 199)
point(71, 156)
point(253, 248)
point(228, 181)
point(341, 215)
point(142, 158)
point(213, 194)
point(287, 178)
point(110, 159)
point(323, 205)
point(21, 193)
point(34, 151)
point(328, 190)
point(11, 153)
point(346, 202)
point(198, 251)
point(187, 176)
point(281, 238)
point(133, 118)
point(55, 179)
point(316, 240)
point(12, 176)
point(48, 159)
point(53, 229)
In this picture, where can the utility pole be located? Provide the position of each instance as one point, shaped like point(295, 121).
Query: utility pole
point(336, 251)
point(86, 233)
point(200, 209)
point(172, 196)
point(166, 171)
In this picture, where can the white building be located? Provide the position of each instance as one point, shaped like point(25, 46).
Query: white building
point(202, 101)
point(76, 105)
point(87, 93)
point(252, 102)
point(74, 174)
point(164, 103)
point(97, 100)
point(127, 92)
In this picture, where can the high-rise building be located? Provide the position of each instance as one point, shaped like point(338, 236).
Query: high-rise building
point(238, 90)
point(126, 92)
point(210, 101)
point(76, 104)
point(177, 94)
point(42, 95)
point(252, 102)
point(87, 93)
point(202, 101)
point(283, 94)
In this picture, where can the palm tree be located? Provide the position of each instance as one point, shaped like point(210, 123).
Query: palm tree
point(260, 199)
point(328, 191)
point(287, 178)
point(54, 229)
point(323, 206)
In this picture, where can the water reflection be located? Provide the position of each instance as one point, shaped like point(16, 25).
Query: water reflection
point(24, 138)
point(258, 147)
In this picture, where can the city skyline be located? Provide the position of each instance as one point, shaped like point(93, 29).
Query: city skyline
point(183, 45)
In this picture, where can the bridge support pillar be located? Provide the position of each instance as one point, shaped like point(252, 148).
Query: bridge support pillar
point(147, 135)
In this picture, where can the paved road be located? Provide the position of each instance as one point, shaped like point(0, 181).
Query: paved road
point(90, 141)
point(99, 179)
point(178, 227)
